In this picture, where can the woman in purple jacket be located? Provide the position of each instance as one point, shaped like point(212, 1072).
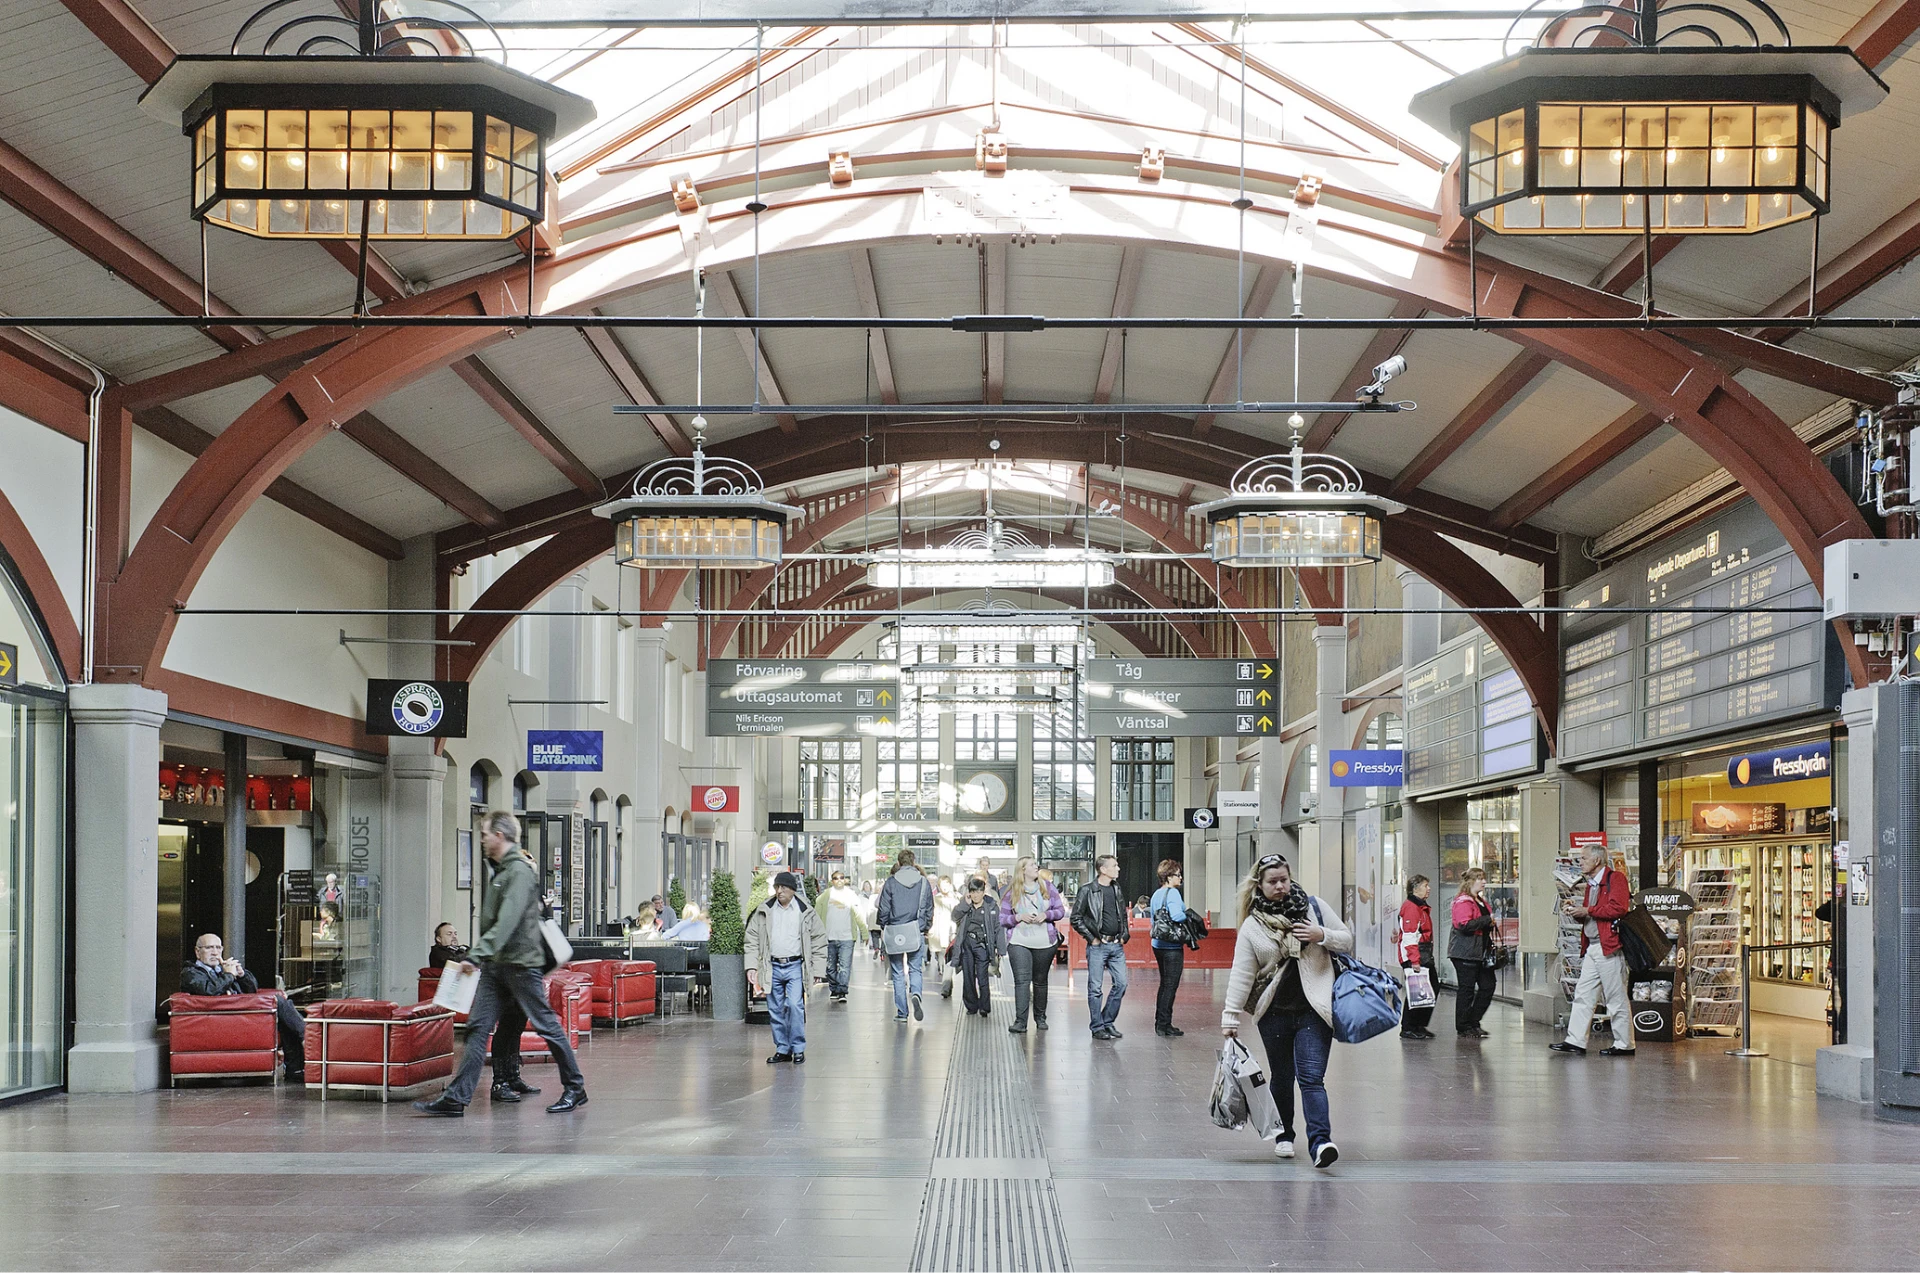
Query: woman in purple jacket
point(1029, 908)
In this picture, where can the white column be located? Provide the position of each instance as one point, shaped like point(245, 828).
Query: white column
point(641, 874)
point(1330, 730)
point(417, 847)
point(116, 886)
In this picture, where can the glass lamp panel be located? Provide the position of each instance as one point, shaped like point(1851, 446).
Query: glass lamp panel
point(1560, 213)
point(1732, 154)
point(494, 178)
point(243, 213)
point(246, 129)
point(1521, 215)
point(327, 217)
point(1726, 211)
point(1689, 125)
point(1778, 208)
point(327, 130)
point(1602, 157)
point(287, 130)
point(410, 169)
point(452, 151)
point(1604, 212)
point(526, 148)
point(1480, 178)
point(1482, 140)
point(326, 170)
point(203, 141)
point(286, 217)
point(526, 188)
point(446, 217)
point(1559, 144)
point(1643, 168)
point(1684, 211)
point(1687, 166)
point(286, 170)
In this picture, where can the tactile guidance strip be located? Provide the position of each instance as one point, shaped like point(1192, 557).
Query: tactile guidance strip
point(990, 1205)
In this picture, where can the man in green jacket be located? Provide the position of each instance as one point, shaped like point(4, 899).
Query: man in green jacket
point(510, 959)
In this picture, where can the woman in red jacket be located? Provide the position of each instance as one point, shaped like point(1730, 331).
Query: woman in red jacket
point(1416, 922)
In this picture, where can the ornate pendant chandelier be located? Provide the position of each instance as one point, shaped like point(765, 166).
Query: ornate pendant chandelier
point(1296, 510)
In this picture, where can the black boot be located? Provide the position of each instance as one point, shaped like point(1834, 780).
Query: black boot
point(522, 1087)
point(505, 1092)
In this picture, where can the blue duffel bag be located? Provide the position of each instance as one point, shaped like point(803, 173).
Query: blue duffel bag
point(1366, 1000)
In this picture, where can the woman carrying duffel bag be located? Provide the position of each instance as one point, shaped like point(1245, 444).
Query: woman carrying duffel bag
point(1283, 974)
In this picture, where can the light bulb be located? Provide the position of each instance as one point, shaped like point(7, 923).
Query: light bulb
point(1724, 197)
point(297, 161)
point(248, 160)
point(1629, 197)
point(288, 205)
point(489, 164)
point(1772, 154)
point(1518, 158)
point(1719, 154)
point(393, 164)
point(1779, 200)
point(334, 205)
point(1568, 155)
point(1672, 155)
point(439, 159)
point(1614, 155)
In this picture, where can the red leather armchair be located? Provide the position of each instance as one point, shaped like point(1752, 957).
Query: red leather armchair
point(623, 989)
point(582, 1014)
point(429, 987)
point(570, 997)
point(374, 1046)
point(223, 1036)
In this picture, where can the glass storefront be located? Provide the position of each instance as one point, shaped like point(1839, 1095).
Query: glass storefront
point(1482, 832)
point(33, 857)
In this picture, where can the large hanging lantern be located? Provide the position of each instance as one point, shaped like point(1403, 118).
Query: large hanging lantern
point(1613, 123)
point(1296, 510)
point(343, 126)
point(994, 558)
point(698, 512)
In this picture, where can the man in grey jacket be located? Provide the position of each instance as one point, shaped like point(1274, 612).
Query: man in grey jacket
point(786, 955)
point(906, 897)
point(510, 959)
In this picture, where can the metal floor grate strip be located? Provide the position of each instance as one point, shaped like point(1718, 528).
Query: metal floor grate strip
point(1007, 1222)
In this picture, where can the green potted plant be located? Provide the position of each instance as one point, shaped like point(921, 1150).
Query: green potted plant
point(812, 886)
point(676, 897)
point(727, 949)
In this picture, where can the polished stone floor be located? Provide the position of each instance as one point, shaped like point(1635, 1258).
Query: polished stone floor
point(695, 1155)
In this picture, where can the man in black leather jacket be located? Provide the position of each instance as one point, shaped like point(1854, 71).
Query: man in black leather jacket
point(1100, 916)
point(211, 973)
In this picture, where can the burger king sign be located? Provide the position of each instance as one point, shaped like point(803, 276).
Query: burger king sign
point(716, 799)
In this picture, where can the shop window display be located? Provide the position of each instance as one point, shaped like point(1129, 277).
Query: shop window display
point(33, 858)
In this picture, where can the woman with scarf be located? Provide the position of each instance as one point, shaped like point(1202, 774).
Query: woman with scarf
point(1283, 974)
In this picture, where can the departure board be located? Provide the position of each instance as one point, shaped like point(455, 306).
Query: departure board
point(1630, 681)
point(1469, 719)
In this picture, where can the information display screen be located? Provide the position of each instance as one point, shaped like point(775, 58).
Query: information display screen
point(1630, 681)
point(1469, 719)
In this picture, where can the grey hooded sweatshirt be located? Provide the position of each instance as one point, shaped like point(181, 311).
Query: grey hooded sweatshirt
point(905, 896)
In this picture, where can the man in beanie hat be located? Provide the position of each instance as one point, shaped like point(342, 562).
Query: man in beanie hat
point(786, 953)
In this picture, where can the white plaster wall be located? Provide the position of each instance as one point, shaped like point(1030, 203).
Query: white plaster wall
point(44, 476)
point(272, 559)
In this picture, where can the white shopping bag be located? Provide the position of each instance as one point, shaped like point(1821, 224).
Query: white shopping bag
point(457, 989)
point(1419, 988)
point(1262, 1114)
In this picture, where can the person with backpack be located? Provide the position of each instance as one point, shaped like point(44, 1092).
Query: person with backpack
point(1416, 950)
point(1470, 947)
point(1283, 975)
point(906, 898)
point(1169, 954)
point(511, 960)
point(1603, 969)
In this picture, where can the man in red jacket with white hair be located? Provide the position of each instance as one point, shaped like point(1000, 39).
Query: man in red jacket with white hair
point(1603, 970)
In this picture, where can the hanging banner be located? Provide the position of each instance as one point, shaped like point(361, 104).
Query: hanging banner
point(1238, 803)
point(1367, 768)
point(1790, 764)
point(562, 750)
point(416, 708)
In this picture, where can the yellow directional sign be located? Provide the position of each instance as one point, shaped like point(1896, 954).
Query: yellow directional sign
point(9, 664)
point(884, 721)
point(1266, 671)
point(1264, 697)
point(1266, 723)
point(886, 697)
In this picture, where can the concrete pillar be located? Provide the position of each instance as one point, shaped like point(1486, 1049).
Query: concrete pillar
point(1846, 1069)
point(642, 872)
point(1330, 730)
point(1419, 642)
point(417, 848)
point(116, 730)
point(234, 836)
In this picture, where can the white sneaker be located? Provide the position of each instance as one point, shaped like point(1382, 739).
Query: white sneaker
point(1282, 1148)
point(1324, 1157)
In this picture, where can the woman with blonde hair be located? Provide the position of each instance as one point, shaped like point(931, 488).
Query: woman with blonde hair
point(1283, 975)
point(1470, 947)
point(1030, 907)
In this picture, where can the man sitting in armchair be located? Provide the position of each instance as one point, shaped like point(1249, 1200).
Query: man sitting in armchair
point(211, 973)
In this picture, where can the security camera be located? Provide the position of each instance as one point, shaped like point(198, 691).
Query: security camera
point(1384, 372)
point(1307, 804)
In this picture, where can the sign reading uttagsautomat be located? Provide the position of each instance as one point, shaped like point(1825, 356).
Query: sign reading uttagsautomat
point(775, 697)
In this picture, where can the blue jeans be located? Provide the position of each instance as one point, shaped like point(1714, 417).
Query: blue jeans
point(839, 966)
point(1106, 961)
point(906, 975)
point(1297, 1048)
point(786, 1005)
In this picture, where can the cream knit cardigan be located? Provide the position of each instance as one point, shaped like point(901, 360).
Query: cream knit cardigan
point(1255, 952)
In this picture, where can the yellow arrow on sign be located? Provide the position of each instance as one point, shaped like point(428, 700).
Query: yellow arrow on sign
point(1266, 672)
point(886, 698)
point(1265, 722)
point(6, 664)
point(884, 721)
point(1265, 697)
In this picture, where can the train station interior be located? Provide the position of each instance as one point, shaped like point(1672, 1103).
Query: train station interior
point(987, 485)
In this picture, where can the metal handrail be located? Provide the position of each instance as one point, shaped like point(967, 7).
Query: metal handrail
point(1747, 952)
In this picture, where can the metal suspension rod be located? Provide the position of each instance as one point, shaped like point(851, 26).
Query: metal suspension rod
point(968, 324)
point(1521, 610)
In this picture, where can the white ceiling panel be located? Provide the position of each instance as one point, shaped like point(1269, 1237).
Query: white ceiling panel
point(1651, 471)
point(1560, 411)
point(1445, 370)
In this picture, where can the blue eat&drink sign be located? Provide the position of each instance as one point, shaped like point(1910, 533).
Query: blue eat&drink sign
point(561, 750)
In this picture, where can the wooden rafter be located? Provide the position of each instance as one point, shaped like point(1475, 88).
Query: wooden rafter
point(1506, 387)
